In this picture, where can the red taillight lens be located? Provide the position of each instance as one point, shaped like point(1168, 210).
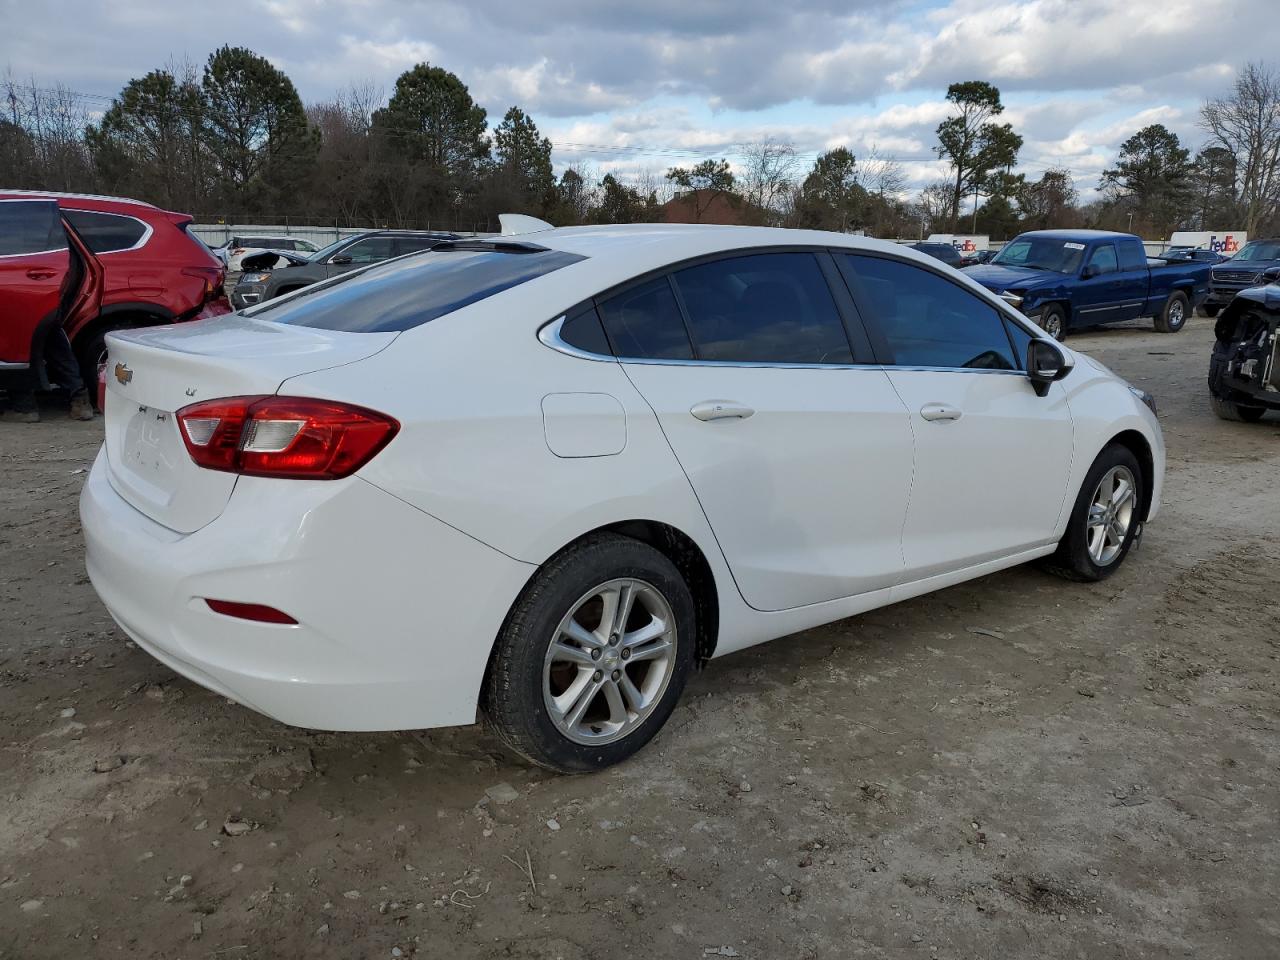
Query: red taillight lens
point(250, 611)
point(285, 437)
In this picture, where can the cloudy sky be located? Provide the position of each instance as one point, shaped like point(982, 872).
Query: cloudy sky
point(634, 86)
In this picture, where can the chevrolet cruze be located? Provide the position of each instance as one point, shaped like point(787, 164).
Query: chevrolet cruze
point(545, 476)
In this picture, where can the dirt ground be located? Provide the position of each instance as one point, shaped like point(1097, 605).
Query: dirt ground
point(1015, 767)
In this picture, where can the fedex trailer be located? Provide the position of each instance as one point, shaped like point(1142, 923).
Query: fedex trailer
point(1224, 242)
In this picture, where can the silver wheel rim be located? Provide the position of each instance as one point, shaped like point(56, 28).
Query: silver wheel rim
point(1175, 314)
point(609, 662)
point(1111, 514)
point(1053, 326)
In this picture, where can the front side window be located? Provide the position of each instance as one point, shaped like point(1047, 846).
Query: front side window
point(644, 322)
point(371, 250)
point(1103, 258)
point(30, 226)
point(106, 232)
point(407, 293)
point(926, 320)
point(763, 308)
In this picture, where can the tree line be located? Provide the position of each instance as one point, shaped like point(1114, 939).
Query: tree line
point(233, 139)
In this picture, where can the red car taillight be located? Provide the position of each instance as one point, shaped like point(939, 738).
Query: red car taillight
point(286, 437)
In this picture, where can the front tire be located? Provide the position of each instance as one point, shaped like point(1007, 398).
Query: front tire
point(593, 656)
point(1053, 320)
point(1230, 410)
point(1105, 519)
point(1174, 315)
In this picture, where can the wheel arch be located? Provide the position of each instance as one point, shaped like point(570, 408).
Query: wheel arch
point(1137, 444)
point(689, 558)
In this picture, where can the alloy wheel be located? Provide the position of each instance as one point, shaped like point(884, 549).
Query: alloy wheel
point(609, 661)
point(1111, 514)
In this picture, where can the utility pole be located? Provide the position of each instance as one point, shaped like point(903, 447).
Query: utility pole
point(975, 209)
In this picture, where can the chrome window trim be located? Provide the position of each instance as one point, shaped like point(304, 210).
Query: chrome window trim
point(147, 230)
point(549, 335)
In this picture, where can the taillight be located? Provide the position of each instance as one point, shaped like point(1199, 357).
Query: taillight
point(285, 437)
point(212, 277)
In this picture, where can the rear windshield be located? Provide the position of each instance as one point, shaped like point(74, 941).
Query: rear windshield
point(404, 293)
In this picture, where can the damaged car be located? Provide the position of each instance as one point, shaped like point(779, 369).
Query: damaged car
point(1244, 372)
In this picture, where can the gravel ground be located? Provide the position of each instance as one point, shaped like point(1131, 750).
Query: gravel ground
point(1014, 767)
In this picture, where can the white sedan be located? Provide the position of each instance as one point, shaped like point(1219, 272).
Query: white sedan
point(545, 476)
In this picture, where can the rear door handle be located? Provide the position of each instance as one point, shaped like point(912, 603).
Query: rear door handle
point(940, 411)
point(720, 410)
point(40, 273)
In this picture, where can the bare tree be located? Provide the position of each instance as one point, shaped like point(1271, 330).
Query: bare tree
point(768, 178)
point(1247, 122)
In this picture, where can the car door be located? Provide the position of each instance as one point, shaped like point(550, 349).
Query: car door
point(1100, 290)
point(798, 450)
point(34, 269)
point(991, 458)
point(1133, 279)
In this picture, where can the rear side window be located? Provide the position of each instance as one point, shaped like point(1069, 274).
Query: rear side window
point(414, 244)
point(30, 226)
point(644, 323)
point(764, 308)
point(926, 320)
point(1103, 258)
point(1133, 255)
point(106, 232)
point(407, 293)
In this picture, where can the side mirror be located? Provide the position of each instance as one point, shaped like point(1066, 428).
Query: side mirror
point(340, 259)
point(1046, 364)
point(1271, 274)
point(1089, 271)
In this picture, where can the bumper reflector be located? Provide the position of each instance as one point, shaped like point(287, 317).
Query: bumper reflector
point(250, 611)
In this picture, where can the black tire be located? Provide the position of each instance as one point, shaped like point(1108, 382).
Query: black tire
point(1210, 310)
point(1230, 410)
point(1174, 315)
point(1053, 320)
point(514, 684)
point(91, 351)
point(1072, 559)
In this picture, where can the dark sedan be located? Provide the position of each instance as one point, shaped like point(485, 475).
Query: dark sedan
point(944, 252)
point(259, 282)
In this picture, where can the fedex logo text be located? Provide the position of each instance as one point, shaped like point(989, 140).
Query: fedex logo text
point(1226, 245)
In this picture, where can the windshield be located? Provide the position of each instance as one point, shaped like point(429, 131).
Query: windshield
point(1256, 250)
point(326, 250)
point(1041, 253)
point(407, 291)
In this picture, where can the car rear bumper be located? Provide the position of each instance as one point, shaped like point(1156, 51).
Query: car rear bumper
point(397, 612)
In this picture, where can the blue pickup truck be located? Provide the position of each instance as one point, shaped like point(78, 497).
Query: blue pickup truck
point(1079, 278)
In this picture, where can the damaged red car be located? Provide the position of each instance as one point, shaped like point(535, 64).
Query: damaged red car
point(94, 264)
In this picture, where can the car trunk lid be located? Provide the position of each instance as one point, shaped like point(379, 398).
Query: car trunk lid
point(151, 374)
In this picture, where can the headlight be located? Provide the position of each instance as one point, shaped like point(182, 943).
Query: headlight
point(1012, 297)
point(254, 277)
point(1142, 395)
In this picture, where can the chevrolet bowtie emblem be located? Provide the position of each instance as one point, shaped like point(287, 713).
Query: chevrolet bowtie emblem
point(123, 374)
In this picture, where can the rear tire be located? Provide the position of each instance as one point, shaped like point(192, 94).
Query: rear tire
point(573, 685)
point(1103, 524)
point(1174, 315)
point(91, 353)
point(1230, 410)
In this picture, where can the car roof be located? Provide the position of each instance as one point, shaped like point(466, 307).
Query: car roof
point(96, 198)
point(1078, 234)
point(620, 252)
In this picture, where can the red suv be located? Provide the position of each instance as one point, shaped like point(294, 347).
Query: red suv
point(94, 264)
